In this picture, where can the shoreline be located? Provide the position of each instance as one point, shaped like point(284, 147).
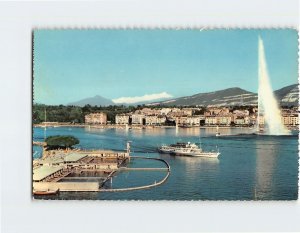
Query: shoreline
point(132, 126)
point(114, 126)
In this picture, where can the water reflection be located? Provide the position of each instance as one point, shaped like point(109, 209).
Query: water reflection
point(194, 165)
point(265, 165)
point(93, 129)
point(174, 131)
point(155, 131)
point(194, 131)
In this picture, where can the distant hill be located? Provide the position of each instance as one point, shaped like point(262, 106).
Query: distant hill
point(232, 96)
point(96, 100)
point(288, 96)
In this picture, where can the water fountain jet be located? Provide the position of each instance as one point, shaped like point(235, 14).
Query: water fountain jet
point(267, 103)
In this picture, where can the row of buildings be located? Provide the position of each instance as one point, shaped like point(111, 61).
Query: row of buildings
point(191, 117)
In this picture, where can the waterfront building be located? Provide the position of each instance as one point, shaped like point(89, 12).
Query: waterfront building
point(241, 120)
point(96, 118)
point(137, 119)
point(218, 120)
point(155, 120)
point(210, 120)
point(188, 120)
point(193, 120)
point(122, 119)
point(290, 119)
point(224, 120)
point(151, 120)
point(182, 120)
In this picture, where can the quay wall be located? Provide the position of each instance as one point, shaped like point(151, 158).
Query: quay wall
point(67, 186)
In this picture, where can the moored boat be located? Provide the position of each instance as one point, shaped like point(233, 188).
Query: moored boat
point(45, 192)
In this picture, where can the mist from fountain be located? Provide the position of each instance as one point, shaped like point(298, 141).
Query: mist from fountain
point(267, 103)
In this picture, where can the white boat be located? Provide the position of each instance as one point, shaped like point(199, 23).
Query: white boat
point(170, 148)
point(166, 149)
point(187, 149)
point(196, 153)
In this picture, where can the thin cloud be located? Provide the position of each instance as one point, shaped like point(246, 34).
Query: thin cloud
point(144, 98)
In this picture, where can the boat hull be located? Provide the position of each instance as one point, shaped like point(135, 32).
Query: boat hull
point(202, 154)
point(187, 149)
point(165, 151)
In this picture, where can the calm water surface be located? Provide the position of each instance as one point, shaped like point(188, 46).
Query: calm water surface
point(250, 167)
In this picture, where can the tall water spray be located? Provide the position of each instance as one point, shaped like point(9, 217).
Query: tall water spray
point(267, 103)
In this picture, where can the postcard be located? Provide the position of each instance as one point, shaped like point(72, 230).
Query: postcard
point(165, 114)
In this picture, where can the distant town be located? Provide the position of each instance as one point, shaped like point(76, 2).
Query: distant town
point(238, 116)
point(186, 117)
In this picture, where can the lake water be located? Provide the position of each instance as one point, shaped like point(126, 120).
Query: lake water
point(250, 167)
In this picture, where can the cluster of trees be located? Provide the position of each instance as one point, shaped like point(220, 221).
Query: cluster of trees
point(59, 113)
point(61, 142)
point(75, 114)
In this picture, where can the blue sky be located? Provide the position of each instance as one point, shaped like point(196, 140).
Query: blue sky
point(70, 65)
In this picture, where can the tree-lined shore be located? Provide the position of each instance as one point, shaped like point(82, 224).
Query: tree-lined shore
point(75, 114)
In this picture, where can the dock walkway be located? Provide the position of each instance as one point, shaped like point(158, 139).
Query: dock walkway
point(168, 169)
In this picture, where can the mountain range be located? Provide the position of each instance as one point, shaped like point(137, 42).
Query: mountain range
point(93, 101)
point(287, 96)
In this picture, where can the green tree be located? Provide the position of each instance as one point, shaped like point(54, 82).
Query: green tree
point(61, 141)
